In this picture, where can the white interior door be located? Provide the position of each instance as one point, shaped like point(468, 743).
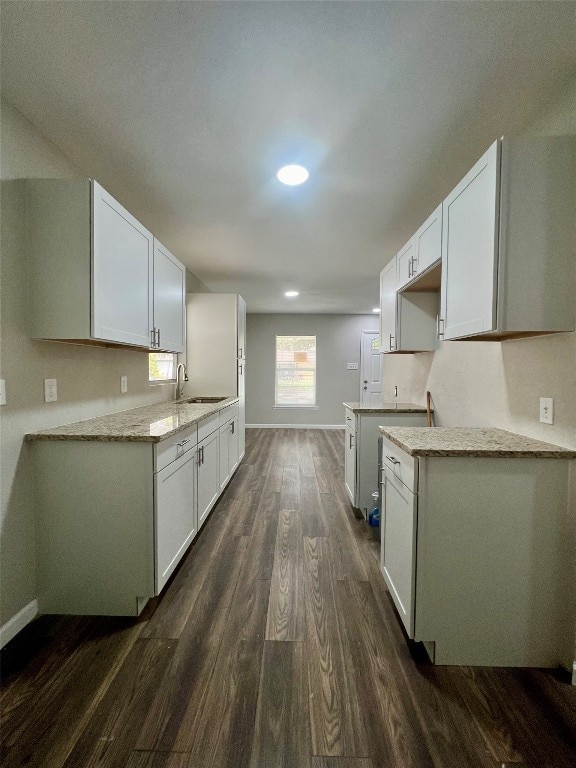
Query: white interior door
point(370, 373)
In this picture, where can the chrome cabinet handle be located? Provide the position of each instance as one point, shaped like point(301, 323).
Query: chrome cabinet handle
point(350, 441)
point(393, 459)
point(183, 442)
point(232, 427)
point(392, 344)
point(239, 351)
point(153, 338)
point(158, 337)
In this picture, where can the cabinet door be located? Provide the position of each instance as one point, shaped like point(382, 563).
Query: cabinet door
point(224, 456)
point(169, 300)
point(406, 264)
point(469, 250)
point(388, 307)
point(350, 463)
point(233, 446)
point(241, 328)
point(122, 261)
point(208, 464)
point(398, 546)
point(241, 408)
point(175, 494)
point(428, 242)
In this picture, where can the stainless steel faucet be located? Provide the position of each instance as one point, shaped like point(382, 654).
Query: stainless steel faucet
point(180, 384)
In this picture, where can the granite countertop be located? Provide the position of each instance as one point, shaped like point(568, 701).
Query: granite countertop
point(150, 423)
point(471, 441)
point(386, 408)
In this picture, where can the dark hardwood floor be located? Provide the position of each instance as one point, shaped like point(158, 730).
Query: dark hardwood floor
point(274, 646)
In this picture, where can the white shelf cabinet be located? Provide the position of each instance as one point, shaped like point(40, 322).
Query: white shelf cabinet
point(96, 274)
point(474, 553)
point(408, 319)
point(361, 451)
point(508, 244)
point(216, 349)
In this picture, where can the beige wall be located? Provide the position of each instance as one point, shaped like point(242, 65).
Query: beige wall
point(88, 378)
point(337, 343)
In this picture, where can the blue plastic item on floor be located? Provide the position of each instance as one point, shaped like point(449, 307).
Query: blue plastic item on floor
point(374, 517)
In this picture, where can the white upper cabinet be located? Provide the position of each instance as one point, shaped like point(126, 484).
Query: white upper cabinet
point(96, 275)
point(422, 251)
point(388, 307)
point(405, 261)
point(428, 243)
point(508, 243)
point(122, 273)
point(168, 330)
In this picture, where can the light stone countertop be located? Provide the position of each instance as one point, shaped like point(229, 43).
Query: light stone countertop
point(471, 441)
point(149, 423)
point(386, 408)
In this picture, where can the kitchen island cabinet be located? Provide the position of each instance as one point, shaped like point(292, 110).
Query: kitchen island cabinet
point(120, 500)
point(362, 424)
point(475, 544)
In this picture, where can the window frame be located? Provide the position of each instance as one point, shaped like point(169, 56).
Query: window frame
point(314, 370)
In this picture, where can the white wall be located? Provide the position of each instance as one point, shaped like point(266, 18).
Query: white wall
point(337, 343)
point(88, 377)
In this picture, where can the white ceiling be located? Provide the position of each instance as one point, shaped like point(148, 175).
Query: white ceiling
point(184, 111)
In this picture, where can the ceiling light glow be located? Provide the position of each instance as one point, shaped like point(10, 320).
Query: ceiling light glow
point(291, 294)
point(292, 175)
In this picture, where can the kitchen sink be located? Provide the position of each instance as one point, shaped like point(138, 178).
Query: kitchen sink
point(203, 399)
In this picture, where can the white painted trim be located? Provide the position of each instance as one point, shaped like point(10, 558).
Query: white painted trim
point(294, 426)
point(574, 673)
point(18, 622)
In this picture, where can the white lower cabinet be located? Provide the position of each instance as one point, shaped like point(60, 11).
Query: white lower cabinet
point(350, 462)
point(208, 458)
point(115, 518)
point(361, 446)
point(398, 546)
point(475, 554)
point(176, 515)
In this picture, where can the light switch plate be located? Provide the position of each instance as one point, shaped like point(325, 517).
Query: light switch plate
point(123, 384)
point(50, 390)
point(547, 410)
point(2, 392)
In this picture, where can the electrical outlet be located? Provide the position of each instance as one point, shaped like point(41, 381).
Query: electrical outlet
point(2, 392)
point(352, 366)
point(50, 390)
point(547, 410)
point(123, 384)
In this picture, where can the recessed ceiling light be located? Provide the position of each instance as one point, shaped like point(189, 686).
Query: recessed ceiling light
point(376, 309)
point(291, 294)
point(292, 175)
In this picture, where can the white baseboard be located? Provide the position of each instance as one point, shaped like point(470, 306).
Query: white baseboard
point(294, 426)
point(18, 622)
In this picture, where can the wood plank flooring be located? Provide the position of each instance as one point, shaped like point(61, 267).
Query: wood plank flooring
point(275, 645)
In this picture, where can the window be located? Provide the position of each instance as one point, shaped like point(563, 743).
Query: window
point(161, 366)
point(295, 370)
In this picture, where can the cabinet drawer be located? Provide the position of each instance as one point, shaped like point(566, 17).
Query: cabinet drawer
point(174, 446)
point(400, 463)
point(228, 413)
point(208, 425)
